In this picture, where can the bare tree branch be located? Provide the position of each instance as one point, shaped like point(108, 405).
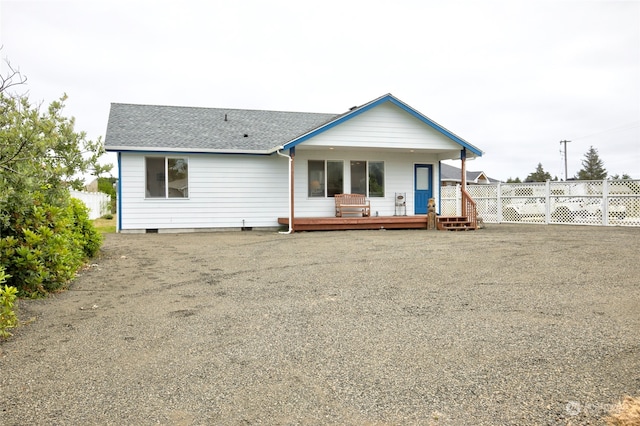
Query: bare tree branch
point(13, 78)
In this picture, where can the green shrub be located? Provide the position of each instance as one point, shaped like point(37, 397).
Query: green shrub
point(51, 245)
point(8, 318)
point(90, 239)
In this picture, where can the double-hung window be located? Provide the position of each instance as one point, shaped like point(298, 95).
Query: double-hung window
point(167, 177)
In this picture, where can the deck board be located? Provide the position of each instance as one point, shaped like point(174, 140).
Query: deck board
point(356, 222)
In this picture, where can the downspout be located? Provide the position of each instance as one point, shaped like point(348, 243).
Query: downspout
point(290, 231)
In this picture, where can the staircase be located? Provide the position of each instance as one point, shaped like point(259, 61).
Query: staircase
point(467, 222)
point(455, 223)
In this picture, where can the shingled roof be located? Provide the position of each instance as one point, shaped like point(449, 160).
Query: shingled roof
point(172, 128)
point(454, 174)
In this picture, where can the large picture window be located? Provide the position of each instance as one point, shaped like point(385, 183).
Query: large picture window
point(167, 177)
point(326, 178)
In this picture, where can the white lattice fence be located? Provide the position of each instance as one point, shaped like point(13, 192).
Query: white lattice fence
point(615, 202)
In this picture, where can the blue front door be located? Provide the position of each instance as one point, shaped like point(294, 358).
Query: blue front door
point(423, 180)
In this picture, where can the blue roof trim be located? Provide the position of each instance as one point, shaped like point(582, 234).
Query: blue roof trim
point(386, 98)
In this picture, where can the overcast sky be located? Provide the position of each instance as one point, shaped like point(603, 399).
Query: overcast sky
point(513, 78)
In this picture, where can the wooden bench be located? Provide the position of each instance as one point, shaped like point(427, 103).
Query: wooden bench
point(352, 203)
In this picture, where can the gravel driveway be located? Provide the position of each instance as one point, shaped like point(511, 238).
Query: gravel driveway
point(509, 325)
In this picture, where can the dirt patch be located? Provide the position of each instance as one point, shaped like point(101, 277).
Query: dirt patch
point(511, 324)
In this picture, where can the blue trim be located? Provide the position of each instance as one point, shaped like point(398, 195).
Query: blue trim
point(170, 153)
point(332, 124)
point(119, 192)
point(399, 104)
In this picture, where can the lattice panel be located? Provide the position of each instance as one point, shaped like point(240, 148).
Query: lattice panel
point(450, 196)
point(572, 202)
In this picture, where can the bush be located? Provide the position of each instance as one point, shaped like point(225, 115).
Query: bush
point(90, 239)
point(8, 318)
point(50, 245)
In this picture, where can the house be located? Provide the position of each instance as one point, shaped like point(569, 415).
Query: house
point(451, 176)
point(184, 168)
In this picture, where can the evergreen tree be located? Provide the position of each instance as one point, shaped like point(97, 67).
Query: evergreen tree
point(516, 180)
point(617, 176)
point(539, 175)
point(592, 166)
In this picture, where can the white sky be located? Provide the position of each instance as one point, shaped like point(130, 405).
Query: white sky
point(513, 78)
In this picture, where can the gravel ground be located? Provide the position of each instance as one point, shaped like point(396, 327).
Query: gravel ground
point(509, 325)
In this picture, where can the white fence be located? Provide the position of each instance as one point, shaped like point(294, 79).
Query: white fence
point(601, 202)
point(98, 203)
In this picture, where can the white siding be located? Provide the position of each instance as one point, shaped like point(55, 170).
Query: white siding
point(224, 190)
point(385, 126)
point(398, 178)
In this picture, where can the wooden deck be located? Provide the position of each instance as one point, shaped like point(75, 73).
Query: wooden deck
point(343, 223)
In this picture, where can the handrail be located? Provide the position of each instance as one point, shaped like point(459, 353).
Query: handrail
point(469, 208)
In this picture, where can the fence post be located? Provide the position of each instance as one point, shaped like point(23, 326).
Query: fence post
point(547, 202)
point(458, 200)
point(499, 202)
point(605, 202)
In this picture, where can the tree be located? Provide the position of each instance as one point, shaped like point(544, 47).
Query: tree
point(516, 180)
point(108, 186)
point(44, 234)
point(539, 175)
point(592, 166)
point(617, 176)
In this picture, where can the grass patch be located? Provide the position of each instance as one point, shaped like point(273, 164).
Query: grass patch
point(105, 226)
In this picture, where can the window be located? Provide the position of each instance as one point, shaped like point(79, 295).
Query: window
point(359, 177)
point(376, 178)
point(367, 177)
point(375, 172)
point(326, 178)
point(167, 177)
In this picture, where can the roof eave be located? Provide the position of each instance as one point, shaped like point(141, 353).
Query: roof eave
point(189, 150)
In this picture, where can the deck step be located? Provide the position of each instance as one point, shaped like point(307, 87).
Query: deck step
point(455, 223)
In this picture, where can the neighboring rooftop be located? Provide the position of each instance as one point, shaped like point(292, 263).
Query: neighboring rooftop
point(452, 174)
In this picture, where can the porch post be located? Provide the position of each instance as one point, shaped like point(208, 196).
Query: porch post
point(463, 180)
point(292, 154)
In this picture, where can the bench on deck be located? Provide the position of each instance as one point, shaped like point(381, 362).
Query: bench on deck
point(352, 203)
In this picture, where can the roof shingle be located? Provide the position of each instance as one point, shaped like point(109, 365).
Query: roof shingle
point(172, 128)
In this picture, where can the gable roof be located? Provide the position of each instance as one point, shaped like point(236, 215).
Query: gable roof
point(190, 129)
point(453, 174)
point(354, 112)
point(173, 128)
